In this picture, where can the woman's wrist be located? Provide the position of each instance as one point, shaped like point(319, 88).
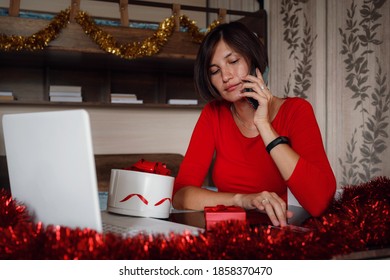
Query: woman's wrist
point(277, 141)
point(237, 200)
point(267, 133)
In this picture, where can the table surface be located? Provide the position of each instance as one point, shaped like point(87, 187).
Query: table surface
point(196, 218)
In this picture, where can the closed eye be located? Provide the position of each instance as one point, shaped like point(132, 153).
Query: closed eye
point(214, 71)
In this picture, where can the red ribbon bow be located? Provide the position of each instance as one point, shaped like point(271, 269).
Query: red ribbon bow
point(150, 167)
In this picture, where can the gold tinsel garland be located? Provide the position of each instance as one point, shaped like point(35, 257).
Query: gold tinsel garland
point(38, 40)
point(149, 47)
point(196, 35)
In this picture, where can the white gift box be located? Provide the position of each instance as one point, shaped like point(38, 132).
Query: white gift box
point(141, 194)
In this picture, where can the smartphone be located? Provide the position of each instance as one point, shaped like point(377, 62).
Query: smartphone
point(251, 100)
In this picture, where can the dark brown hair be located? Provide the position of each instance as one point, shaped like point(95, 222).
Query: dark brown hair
point(237, 36)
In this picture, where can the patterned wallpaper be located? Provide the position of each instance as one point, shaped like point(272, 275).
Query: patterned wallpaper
point(336, 54)
point(367, 87)
point(299, 37)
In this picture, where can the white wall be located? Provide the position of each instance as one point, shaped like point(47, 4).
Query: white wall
point(129, 130)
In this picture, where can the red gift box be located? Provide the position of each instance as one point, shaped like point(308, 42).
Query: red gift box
point(221, 213)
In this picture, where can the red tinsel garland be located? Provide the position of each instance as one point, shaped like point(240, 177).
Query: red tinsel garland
point(357, 221)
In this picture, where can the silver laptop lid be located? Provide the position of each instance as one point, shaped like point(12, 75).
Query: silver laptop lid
point(51, 167)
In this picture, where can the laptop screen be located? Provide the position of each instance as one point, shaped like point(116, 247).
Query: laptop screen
point(51, 166)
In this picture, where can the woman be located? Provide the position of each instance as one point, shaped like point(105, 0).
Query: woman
point(259, 153)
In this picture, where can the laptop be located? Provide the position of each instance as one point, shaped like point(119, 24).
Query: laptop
point(51, 169)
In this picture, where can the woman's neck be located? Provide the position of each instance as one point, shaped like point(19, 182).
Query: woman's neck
point(244, 120)
point(243, 114)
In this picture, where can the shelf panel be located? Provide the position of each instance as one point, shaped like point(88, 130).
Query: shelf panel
point(73, 37)
point(74, 59)
point(99, 105)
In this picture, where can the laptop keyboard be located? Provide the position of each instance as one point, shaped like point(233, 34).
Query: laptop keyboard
point(125, 231)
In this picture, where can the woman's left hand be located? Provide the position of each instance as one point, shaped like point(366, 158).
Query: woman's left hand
point(267, 202)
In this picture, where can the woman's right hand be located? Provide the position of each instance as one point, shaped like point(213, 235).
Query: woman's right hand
point(267, 202)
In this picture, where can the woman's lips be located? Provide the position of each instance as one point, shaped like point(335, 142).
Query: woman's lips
point(232, 87)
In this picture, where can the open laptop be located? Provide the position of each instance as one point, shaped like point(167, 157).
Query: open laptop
point(52, 171)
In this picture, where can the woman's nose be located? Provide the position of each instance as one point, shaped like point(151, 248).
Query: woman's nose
point(226, 75)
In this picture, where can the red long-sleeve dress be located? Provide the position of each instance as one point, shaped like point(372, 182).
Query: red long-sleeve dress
point(242, 165)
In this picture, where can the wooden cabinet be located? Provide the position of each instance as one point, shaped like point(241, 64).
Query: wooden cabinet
point(154, 80)
point(73, 59)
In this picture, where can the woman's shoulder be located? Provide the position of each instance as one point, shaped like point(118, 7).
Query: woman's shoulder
point(216, 106)
point(297, 103)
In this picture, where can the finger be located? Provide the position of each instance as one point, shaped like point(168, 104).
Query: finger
point(263, 84)
point(264, 202)
point(248, 86)
point(259, 75)
point(258, 204)
point(253, 90)
point(255, 84)
point(281, 215)
point(252, 76)
point(282, 203)
point(255, 79)
point(271, 214)
point(278, 209)
point(270, 210)
point(250, 81)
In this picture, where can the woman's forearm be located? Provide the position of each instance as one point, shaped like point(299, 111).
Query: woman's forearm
point(283, 155)
point(195, 198)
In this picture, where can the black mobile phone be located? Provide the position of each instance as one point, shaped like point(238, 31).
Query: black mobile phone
point(251, 100)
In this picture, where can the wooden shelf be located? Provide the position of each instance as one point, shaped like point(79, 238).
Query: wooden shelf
point(155, 80)
point(98, 105)
point(72, 38)
point(74, 59)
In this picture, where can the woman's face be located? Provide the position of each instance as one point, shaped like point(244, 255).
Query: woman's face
point(227, 70)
